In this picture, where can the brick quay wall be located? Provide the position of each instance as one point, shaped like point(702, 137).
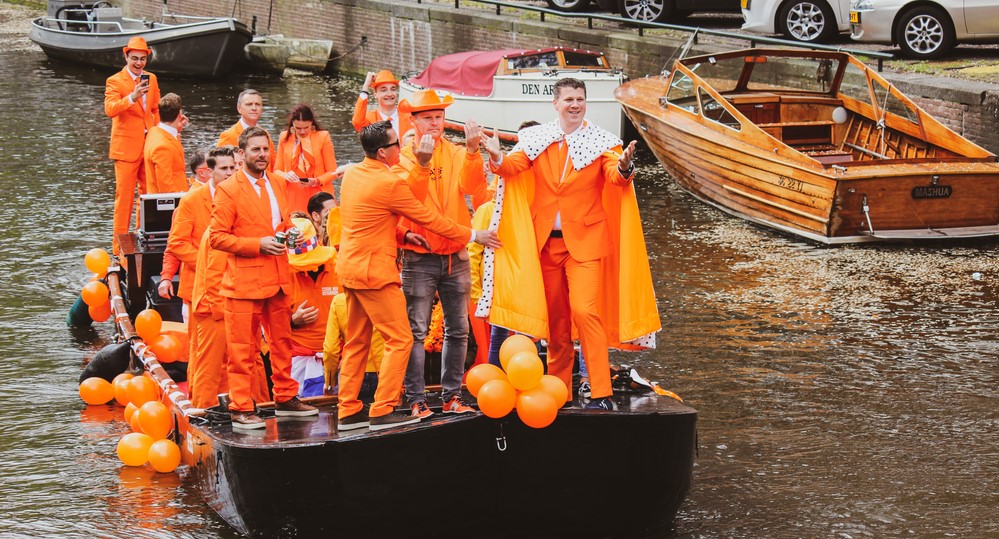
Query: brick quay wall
point(403, 35)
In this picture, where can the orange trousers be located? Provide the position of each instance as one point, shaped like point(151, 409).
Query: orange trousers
point(243, 320)
point(206, 370)
point(573, 287)
point(127, 174)
point(480, 330)
point(385, 310)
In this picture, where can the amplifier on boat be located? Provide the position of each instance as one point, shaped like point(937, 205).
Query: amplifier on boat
point(170, 309)
point(155, 217)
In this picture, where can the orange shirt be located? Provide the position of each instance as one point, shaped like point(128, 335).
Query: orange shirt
point(453, 173)
point(319, 294)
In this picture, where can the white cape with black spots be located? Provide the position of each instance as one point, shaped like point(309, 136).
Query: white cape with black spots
point(585, 145)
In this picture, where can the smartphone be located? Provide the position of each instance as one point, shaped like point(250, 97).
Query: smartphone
point(305, 180)
point(144, 78)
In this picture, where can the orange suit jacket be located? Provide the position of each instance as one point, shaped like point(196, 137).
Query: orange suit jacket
point(190, 221)
point(372, 200)
point(164, 162)
point(129, 121)
point(578, 197)
point(205, 297)
point(238, 223)
point(230, 137)
point(323, 169)
point(364, 117)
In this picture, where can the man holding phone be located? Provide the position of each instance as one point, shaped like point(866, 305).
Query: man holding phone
point(131, 100)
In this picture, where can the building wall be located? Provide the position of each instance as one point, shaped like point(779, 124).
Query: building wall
point(403, 36)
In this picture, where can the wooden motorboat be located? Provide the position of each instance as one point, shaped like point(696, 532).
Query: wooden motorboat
point(93, 33)
point(304, 478)
point(814, 144)
point(503, 88)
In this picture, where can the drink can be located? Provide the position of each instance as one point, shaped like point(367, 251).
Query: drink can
point(281, 237)
point(292, 236)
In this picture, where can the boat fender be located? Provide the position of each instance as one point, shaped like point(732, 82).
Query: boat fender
point(109, 362)
point(78, 316)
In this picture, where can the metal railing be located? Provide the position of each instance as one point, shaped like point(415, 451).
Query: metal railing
point(641, 26)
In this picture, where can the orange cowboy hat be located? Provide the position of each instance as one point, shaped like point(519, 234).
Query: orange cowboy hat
point(137, 43)
point(311, 254)
point(384, 77)
point(424, 100)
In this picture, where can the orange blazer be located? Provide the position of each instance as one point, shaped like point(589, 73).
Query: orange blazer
point(190, 221)
point(230, 137)
point(372, 200)
point(239, 220)
point(453, 173)
point(129, 121)
point(206, 299)
point(319, 163)
point(364, 117)
point(578, 197)
point(164, 162)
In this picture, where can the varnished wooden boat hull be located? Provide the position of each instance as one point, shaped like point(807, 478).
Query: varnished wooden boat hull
point(751, 175)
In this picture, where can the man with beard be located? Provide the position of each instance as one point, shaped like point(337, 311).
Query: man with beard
point(249, 210)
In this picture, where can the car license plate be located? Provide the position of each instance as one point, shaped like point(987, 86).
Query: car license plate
point(855, 17)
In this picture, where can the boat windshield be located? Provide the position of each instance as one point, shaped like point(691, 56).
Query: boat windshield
point(791, 73)
point(547, 59)
point(582, 59)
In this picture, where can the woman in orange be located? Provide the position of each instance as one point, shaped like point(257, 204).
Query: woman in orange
point(386, 94)
point(305, 157)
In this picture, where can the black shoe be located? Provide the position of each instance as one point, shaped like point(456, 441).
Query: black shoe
point(355, 421)
point(394, 419)
point(246, 421)
point(294, 407)
point(603, 403)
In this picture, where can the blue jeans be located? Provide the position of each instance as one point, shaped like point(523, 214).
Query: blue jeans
point(496, 338)
point(451, 277)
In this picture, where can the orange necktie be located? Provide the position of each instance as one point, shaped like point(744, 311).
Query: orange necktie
point(264, 199)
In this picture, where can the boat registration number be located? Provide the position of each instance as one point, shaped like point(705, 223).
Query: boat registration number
point(932, 191)
point(855, 17)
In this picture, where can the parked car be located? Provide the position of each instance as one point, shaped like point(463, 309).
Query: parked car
point(924, 29)
point(649, 10)
point(809, 21)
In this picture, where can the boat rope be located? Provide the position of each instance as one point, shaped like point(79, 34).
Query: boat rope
point(352, 49)
point(881, 120)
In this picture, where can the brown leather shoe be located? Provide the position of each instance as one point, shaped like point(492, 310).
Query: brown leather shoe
point(246, 421)
point(294, 407)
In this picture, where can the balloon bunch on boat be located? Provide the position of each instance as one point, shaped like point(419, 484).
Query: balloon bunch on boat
point(521, 384)
point(95, 293)
point(151, 420)
point(165, 346)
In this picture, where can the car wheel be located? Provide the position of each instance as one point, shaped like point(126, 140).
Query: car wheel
point(925, 32)
point(569, 5)
point(810, 21)
point(646, 10)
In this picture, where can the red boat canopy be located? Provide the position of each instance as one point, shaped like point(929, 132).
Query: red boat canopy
point(464, 73)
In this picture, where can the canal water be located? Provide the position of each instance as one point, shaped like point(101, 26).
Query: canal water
point(843, 392)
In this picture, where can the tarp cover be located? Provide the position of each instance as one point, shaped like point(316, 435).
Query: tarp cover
point(465, 73)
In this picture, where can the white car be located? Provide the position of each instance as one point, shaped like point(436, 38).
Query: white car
point(810, 21)
point(924, 29)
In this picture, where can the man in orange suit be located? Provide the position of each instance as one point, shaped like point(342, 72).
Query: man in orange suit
point(572, 160)
point(372, 200)
point(131, 100)
point(163, 154)
point(249, 104)
point(249, 210)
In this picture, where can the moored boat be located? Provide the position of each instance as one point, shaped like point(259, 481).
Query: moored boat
point(93, 33)
point(814, 144)
point(503, 88)
point(302, 477)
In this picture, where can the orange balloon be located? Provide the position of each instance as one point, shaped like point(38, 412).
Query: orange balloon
point(129, 410)
point(166, 347)
point(496, 398)
point(512, 345)
point(133, 449)
point(98, 261)
point(525, 370)
point(554, 386)
point(155, 419)
point(100, 313)
point(148, 324)
point(536, 408)
point(95, 294)
point(164, 456)
point(95, 390)
point(134, 422)
point(480, 374)
point(120, 383)
point(142, 390)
